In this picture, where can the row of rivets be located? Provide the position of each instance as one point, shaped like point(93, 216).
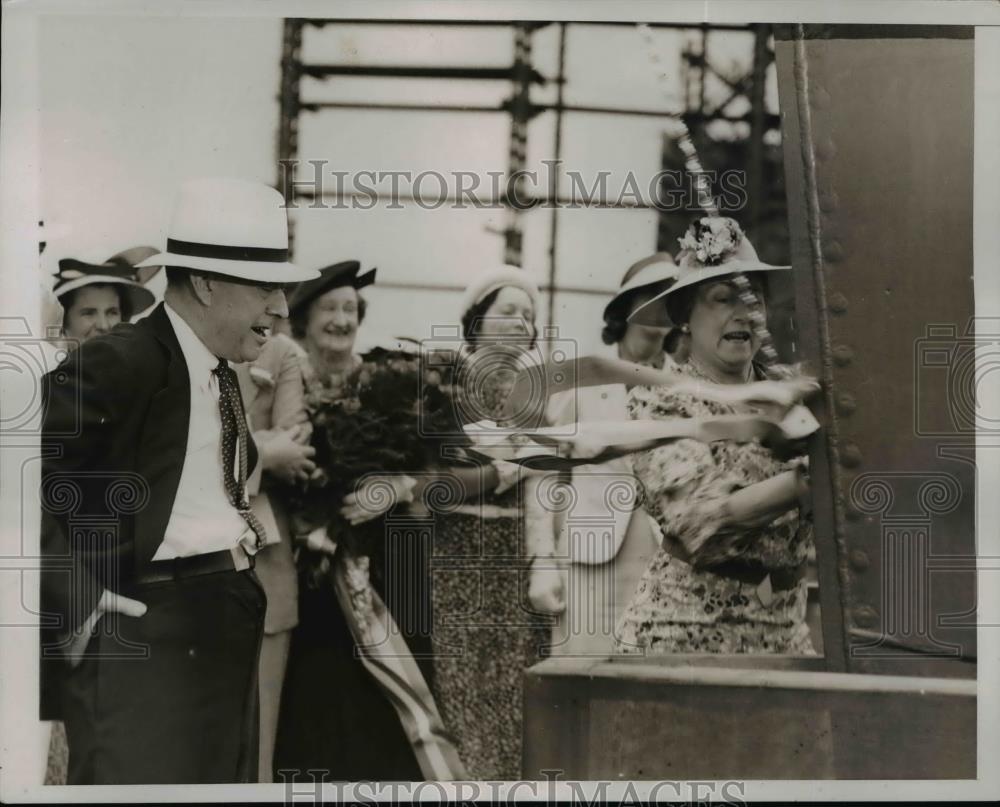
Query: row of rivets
point(845, 404)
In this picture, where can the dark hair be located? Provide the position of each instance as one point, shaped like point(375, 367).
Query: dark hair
point(177, 276)
point(680, 304)
point(299, 318)
point(473, 316)
point(616, 317)
point(615, 320)
point(124, 302)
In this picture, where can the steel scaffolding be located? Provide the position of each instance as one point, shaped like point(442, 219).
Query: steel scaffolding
point(696, 66)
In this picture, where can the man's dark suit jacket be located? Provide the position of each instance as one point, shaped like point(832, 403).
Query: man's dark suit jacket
point(114, 437)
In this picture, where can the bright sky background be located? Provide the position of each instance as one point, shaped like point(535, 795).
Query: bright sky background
point(132, 106)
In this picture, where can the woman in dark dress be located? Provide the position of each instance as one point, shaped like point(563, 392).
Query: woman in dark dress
point(337, 717)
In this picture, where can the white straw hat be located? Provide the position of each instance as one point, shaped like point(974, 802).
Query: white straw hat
point(713, 246)
point(230, 227)
point(498, 278)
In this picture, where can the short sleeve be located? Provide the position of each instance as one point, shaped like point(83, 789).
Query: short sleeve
point(684, 483)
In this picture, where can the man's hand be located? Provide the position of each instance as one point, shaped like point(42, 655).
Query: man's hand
point(110, 603)
point(376, 495)
point(286, 455)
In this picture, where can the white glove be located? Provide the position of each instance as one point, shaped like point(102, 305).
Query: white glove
point(319, 541)
point(375, 495)
point(545, 588)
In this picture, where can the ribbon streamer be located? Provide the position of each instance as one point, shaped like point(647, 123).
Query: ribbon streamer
point(384, 653)
point(527, 400)
point(705, 200)
point(598, 442)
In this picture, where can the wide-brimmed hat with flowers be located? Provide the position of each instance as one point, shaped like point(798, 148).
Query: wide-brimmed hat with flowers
point(713, 247)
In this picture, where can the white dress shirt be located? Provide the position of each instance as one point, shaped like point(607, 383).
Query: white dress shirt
point(203, 519)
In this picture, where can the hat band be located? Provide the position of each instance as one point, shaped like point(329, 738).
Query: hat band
point(70, 269)
point(195, 249)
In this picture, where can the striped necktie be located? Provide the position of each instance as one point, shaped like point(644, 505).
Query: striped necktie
point(235, 437)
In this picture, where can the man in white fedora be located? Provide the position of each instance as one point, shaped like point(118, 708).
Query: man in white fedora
point(148, 581)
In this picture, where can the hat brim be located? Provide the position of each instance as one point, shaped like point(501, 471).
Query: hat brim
point(139, 297)
point(700, 275)
point(626, 290)
point(496, 279)
point(263, 271)
point(307, 292)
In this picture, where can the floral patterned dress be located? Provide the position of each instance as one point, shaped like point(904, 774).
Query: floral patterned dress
point(682, 607)
point(485, 633)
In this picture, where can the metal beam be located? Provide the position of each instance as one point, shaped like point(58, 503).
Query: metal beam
point(755, 165)
point(526, 203)
point(554, 187)
point(316, 106)
point(535, 24)
point(511, 73)
point(289, 109)
point(425, 23)
point(521, 113)
point(772, 120)
point(405, 286)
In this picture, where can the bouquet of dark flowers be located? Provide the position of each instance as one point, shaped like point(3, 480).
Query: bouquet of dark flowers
point(390, 414)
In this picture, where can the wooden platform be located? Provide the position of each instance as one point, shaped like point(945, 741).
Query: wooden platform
point(743, 718)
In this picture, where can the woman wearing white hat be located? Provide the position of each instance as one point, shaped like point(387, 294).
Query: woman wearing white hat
point(730, 575)
point(479, 663)
point(604, 541)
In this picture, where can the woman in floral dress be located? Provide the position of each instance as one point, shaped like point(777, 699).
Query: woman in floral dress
point(729, 577)
point(495, 587)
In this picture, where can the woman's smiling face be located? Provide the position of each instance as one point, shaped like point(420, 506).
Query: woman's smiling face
point(95, 310)
point(332, 325)
point(511, 315)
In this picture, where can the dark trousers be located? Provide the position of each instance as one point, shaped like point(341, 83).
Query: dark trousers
point(171, 697)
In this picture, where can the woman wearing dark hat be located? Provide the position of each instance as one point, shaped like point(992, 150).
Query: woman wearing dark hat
point(334, 716)
point(96, 297)
point(325, 315)
point(603, 567)
point(649, 337)
point(729, 577)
